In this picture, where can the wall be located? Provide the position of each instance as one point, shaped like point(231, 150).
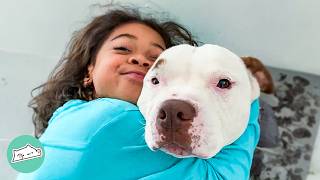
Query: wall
point(34, 34)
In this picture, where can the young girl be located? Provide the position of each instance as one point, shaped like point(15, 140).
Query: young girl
point(86, 115)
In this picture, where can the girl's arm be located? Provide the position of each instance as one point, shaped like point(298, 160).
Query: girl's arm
point(132, 159)
point(108, 143)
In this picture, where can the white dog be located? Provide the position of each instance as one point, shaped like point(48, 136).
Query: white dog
point(196, 100)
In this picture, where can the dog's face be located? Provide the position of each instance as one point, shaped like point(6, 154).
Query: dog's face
point(196, 100)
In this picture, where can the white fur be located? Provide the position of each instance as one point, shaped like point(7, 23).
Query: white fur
point(192, 73)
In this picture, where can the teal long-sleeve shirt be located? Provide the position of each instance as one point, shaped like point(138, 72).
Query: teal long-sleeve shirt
point(104, 139)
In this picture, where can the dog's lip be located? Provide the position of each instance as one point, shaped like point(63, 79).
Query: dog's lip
point(187, 152)
point(166, 145)
point(174, 147)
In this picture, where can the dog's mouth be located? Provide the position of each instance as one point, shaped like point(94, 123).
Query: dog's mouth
point(175, 149)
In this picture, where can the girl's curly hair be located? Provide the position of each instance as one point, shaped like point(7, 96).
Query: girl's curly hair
point(66, 80)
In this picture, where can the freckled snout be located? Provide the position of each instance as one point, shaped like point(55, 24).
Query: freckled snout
point(173, 122)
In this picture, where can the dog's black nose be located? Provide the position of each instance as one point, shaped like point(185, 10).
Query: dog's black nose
point(173, 113)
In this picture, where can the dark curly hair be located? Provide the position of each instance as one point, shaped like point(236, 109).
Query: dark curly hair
point(66, 80)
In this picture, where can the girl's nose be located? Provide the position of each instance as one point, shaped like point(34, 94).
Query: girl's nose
point(141, 61)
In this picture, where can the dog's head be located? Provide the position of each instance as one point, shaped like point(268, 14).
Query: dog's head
point(196, 100)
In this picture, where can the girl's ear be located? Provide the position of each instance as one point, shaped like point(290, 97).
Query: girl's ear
point(255, 89)
point(88, 79)
point(90, 70)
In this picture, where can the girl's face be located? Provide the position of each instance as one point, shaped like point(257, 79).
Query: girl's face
point(123, 60)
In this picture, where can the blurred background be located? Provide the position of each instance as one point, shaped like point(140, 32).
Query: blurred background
point(35, 33)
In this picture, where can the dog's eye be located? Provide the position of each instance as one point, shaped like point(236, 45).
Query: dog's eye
point(224, 83)
point(155, 81)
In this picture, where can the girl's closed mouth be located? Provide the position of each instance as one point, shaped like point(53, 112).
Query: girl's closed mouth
point(135, 75)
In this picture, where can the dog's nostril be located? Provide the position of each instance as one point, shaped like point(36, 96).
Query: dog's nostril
point(180, 115)
point(162, 114)
point(184, 116)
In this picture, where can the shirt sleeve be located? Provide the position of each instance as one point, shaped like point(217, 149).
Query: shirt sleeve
point(59, 163)
point(66, 139)
point(117, 150)
point(234, 161)
point(125, 154)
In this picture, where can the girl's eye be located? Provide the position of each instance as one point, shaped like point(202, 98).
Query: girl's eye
point(153, 58)
point(122, 49)
point(155, 81)
point(224, 83)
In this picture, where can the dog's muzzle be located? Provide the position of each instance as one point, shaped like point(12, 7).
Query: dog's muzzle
point(173, 122)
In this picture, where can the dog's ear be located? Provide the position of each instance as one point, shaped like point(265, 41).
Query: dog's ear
point(255, 89)
point(260, 72)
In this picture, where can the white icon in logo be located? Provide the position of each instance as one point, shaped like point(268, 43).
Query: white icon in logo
point(25, 153)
